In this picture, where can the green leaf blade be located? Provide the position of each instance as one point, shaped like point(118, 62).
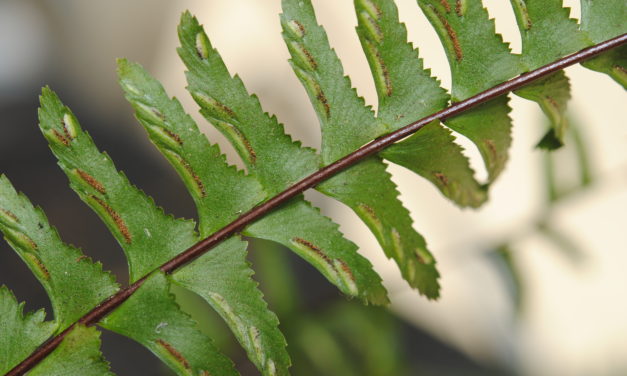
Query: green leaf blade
point(405, 89)
point(124, 209)
point(346, 125)
point(318, 240)
point(208, 76)
point(73, 282)
point(552, 94)
point(380, 209)
point(547, 32)
point(346, 122)
point(20, 334)
point(220, 192)
point(141, 218)
point(613, 63)
point(78, 354)
point(479, 59)
point(269, 154)
point(408, 92)
point(452, 175)
point(603, 20)
point(488, 126)
point(223, 278)
point(166, 331)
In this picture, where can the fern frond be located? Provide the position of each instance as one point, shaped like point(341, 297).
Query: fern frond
point(158, 246)
point(546, 31)
point(347, 124)
point(408, 91)
point(302, 228)
point(223, 278)
point(147, 235)
point(433, 154)
point(220, 192)
point(259, 139)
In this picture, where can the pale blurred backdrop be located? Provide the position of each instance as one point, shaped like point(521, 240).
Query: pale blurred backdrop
point(573, 319)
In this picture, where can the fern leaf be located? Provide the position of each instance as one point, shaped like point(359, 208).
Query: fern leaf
point(380, 209)
point(327, 250)
point(141, 228)
point(167, 331)
point(452, 175)
point(224, 101)
point(19, 334)
point(222, 277)
point(220, 191)
point(320, 242)
point(122, 207)
point(478, 59)
point(347, 124)
point(212, 172)
point(405, 89)
point(73, 282)
point(78, 354)
point(613, 63)
point(488, 126)
point(149, 237)
point(603, 20)
point(552, 94)
point(345, 120)
point(548, 33)
point(406, 92)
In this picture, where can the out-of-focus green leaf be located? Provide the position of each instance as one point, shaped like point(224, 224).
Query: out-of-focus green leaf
point(511, 272)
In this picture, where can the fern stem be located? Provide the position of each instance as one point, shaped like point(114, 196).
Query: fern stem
point(200, 248)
